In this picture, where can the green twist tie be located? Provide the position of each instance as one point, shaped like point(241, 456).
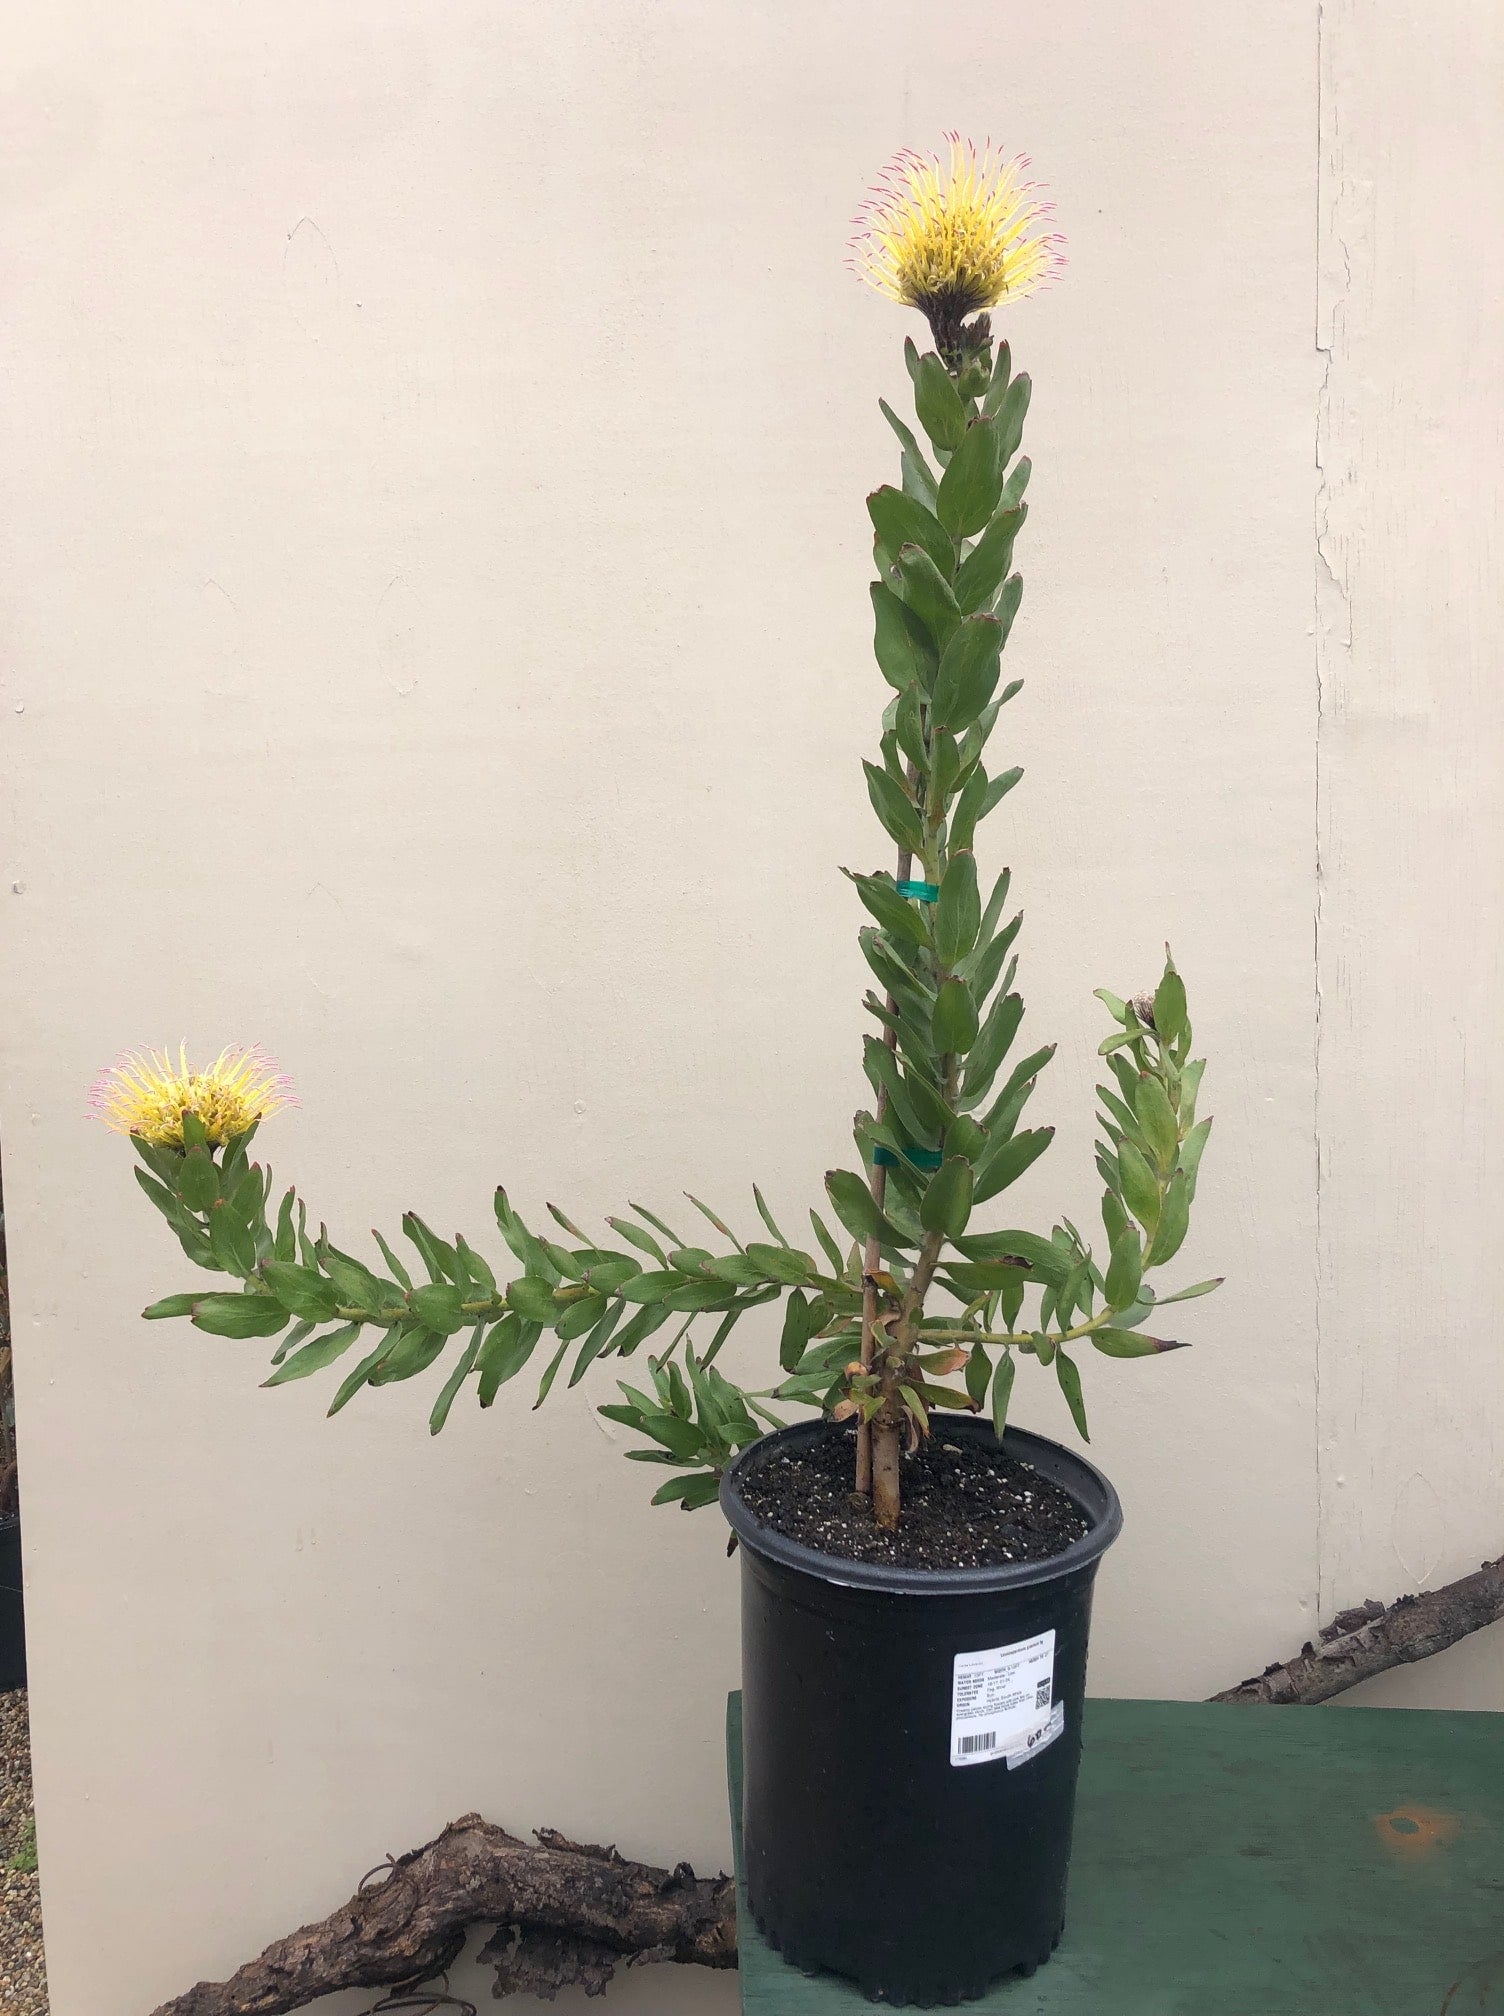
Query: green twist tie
point(920, 892)
point(922, 1158)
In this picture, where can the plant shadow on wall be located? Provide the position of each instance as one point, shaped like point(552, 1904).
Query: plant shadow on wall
point(904, 1321)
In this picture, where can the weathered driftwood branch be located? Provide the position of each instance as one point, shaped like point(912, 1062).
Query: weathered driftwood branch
point(1370, 1639)
point(568, 1914)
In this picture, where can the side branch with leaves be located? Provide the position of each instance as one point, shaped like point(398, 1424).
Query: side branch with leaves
point(861, 1334)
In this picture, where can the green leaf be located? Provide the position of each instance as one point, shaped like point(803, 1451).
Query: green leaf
point(1007, 608)
point(437, 1307)
point(1169, 1007)
point(908, 726)
point(355, 1284)
point(781, 1263)
point(534, 1301)
point(894, 809)
point(239, 1315)
point(315, 1356)
point(978, 1375)
point(452, 1385)
point(898, 916)
point(1009, 1161)
point(938, 403)
point(947, 1200)
point(994, 1040)
point(527, 1249)
point(651, 1286)
point(1114, 1217)
point(928, 594)
point(303, 1290)
point(1140, 1190)
point(735, 1268)
point(508, 1346)
point(997, 385)
point(1181, 1294)
point(795, 1331)
point(689, 1492)
point(766, 1215)
point(195, 1134)
point(231, 1242)
point(911, 448)
point(635, 1236)
point(968, 809)
point(440, 1258)
point(954, 1021)
point(986, 565)
point(549, 1376)
point(998, 790)
point(1191, 1152)
point(476, 1267)
point(906, 652)
point(1174, 1222)
point(903, 521)
point(598, 1340)
point(198, 1180)
point(1157, 1119)
point(1125, 1269)
point(1190, 1087)
point(1114, 1342)
point(1010, 418)
point(1002, 1388)
point(828, 1244)
point(958, 914)
point(969, 489)
point(853, 1205)
point(413, 1350)
point(399, 1272)
point(968, 672)
point(1070, 1385)
point(172, 1305)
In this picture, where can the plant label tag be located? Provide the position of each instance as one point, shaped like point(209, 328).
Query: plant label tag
point(1041, 1739)
point(1000, 1699)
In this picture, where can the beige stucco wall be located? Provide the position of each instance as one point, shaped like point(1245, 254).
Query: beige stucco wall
point(436, 645)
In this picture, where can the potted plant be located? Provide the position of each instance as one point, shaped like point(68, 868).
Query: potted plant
point(917, 1573)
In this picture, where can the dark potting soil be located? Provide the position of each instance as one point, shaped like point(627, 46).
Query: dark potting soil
point(965, 1505)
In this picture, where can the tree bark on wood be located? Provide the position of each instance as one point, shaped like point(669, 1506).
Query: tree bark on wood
point(1370, 1639)
point(569, 1914)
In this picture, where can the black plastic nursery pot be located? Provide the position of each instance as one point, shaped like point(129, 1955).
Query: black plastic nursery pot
point(911, 1740)
point(12, 1608)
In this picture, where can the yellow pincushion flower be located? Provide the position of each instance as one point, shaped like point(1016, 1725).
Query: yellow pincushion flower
point(952, 241)
point(147, 1094)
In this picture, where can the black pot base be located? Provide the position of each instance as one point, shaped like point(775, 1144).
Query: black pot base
point(948, 1997)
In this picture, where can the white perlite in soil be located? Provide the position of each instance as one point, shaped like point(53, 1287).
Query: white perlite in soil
point(23, 1977)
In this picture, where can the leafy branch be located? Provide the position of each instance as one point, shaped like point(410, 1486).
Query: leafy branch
point(944, 1135)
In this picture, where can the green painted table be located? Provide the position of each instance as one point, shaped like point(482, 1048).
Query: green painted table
point(1251, 1862)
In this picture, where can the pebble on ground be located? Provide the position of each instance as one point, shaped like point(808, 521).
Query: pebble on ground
point(23, 1978)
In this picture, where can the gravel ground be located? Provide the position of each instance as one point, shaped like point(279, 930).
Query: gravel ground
point(23, 1981)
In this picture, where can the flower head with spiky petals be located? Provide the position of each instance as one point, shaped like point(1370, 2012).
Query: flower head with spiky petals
point(147, 1094)
point(954, 240)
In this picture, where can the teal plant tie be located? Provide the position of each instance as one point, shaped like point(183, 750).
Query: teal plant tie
point(922, 1158)
point(920, 892)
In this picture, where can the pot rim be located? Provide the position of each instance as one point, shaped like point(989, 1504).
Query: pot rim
point(1082, 1480)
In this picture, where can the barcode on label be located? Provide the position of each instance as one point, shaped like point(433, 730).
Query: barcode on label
point(969, 1746)
point(1042, 1694)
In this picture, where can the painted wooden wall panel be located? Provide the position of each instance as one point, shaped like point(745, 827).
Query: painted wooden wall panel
point(1410, 917)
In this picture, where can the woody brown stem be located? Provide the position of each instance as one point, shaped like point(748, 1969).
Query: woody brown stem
point(887, 1446)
